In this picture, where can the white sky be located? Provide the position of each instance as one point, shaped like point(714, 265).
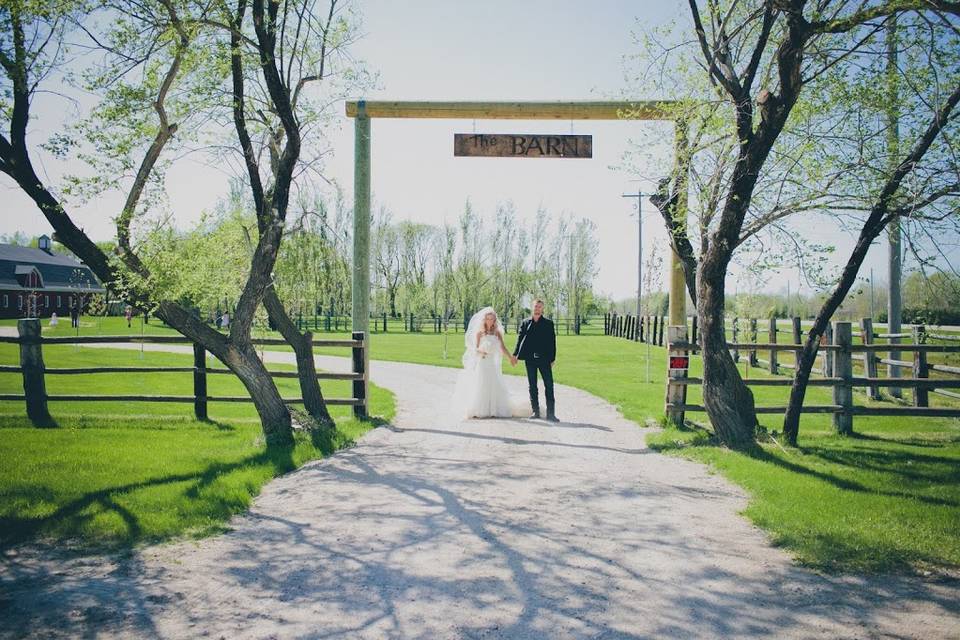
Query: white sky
point(491, 50)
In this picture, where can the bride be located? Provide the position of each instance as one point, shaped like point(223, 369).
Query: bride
point(481, 391)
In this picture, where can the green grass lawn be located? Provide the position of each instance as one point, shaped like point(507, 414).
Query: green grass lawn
point(116, 474)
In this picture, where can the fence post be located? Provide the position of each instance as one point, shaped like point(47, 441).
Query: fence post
point(752, 357)
point(774, 366)
point(694, 337)
point(843, 366)
point(797, 339)
point(676, 375)
point(199, 381)
point(31, 363)
point(360, 366)
point(921, 371)
point(869, 357)
point(663, 324)
point(736, 339)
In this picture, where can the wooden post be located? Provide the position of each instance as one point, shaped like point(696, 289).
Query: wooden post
point(199, 381)
point(676, 395)
point(360, 360)
point(677, 304)
point(843, 366)
point(869, 357)
point(829, 356)
point(774, 367)
point(31, 362)
point(360, 311)
point(797, 339)
point(921, 370)
point(736, 338)
point(753, 338)
point(694, 336)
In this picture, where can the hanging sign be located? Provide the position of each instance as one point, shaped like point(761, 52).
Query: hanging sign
point(520, 145)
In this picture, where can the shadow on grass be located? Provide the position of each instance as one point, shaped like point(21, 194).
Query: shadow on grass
point(762, 455)
point(674, 437)
point(68, 520)
point(909, 465)
point(928, 442)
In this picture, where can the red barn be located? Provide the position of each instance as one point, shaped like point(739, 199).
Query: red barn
point(35, 283)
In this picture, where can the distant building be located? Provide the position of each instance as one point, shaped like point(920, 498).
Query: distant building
point(35, 283)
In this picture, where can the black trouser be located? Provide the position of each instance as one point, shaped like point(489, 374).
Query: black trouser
point(545, 369)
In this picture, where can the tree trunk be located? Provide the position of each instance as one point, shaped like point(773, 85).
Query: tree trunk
point(275, 416)
point(798, 390)
point(241, 358)
point(728, 401)
point(303, 350)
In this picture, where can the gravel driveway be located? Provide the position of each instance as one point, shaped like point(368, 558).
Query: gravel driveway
point(484, 529)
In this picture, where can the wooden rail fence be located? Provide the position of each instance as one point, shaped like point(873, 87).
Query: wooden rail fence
point(34, 371)
point(839, 354)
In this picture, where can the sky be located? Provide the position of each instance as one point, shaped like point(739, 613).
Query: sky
point(492, 50)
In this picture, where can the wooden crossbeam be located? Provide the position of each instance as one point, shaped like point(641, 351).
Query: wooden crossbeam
point(577, 110)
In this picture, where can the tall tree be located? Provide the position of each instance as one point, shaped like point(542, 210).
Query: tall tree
point(759, 56)
point(295, 49)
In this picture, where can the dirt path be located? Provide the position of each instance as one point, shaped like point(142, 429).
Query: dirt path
point(485, 529)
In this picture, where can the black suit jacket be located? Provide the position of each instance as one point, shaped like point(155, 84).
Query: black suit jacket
point(537, 338)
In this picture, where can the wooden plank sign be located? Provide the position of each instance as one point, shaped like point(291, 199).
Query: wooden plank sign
point(526, 145)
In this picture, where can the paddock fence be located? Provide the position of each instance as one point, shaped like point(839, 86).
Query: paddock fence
point(34, 371)
point(412, 323)
point(840, 358)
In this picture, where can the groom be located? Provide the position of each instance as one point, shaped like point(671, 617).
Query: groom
point(537, 347)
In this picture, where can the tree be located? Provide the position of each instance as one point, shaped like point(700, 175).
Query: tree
point(582, 249)
point(294, 50)
point(759, 57)
point(386, 261)
point(156, 60)
point(923, 183)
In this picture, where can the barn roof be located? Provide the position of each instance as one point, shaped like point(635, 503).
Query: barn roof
point(58, 272)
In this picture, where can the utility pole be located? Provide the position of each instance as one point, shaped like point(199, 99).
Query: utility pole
point(894, 300)
point(639, 195)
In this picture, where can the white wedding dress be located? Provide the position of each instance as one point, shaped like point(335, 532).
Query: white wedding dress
point(481, 390)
